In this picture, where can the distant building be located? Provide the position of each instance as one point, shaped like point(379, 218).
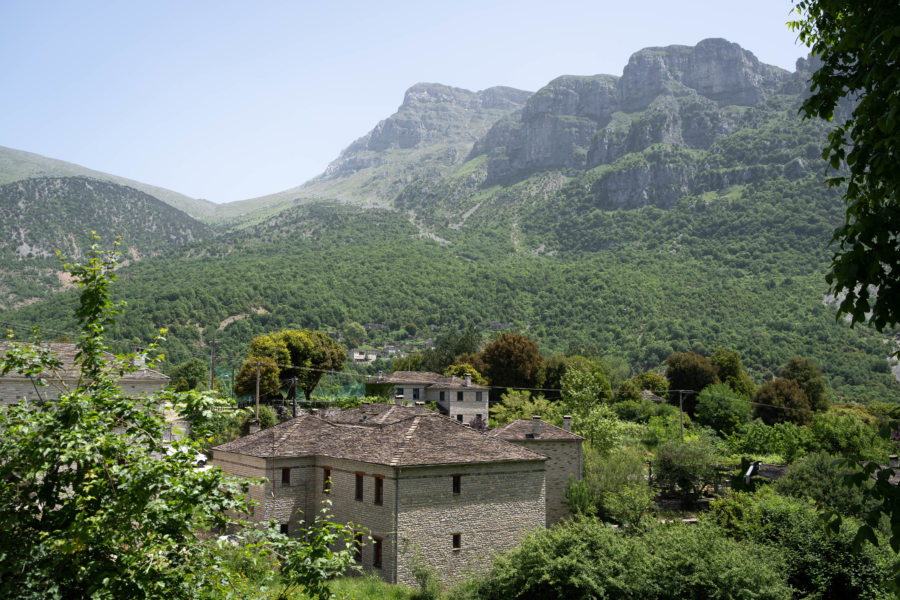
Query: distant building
point(419, 483)
point(456, 397)
point(15, 387)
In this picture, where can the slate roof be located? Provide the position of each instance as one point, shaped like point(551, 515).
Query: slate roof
point(383, 434)
point(523, 429)
point(429, 380)
point(65, 352)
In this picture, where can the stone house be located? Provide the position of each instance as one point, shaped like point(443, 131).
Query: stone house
point(416, 481)
point(562, 449)
point(456, 397)
point(15, 387)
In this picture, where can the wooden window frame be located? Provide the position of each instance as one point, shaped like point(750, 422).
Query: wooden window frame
point(460, 395)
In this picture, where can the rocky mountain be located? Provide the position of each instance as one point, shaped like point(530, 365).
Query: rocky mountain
point(679, 206)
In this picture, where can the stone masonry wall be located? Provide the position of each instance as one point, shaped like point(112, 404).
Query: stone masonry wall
point(14, 389)
point(498, 504)
point(564, 459)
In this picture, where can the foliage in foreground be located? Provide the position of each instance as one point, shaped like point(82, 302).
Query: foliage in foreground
point(94, 505)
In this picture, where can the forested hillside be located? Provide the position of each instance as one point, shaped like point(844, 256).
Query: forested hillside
point(677, 207)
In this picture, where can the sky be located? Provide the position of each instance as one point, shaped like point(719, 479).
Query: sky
point(231, 100)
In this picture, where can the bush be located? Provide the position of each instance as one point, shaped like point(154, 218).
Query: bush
point(819, 564)
point(605, 476)
point(723, 409)
point(816, 478)
point(846, 434)
point(587, 560)
point(756, 439)
point(684, 468)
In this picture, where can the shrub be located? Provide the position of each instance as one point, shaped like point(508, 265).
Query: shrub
point(587, 560)
point(819, 564)
point(816, 478)
point(723, 409)
point(683, 468)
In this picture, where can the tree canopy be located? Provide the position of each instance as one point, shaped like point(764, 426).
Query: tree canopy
point(512, 360)
point(857, 49)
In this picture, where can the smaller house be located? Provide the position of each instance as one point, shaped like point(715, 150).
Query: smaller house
point(15, 387)
point(456, 397)
point(562, 449)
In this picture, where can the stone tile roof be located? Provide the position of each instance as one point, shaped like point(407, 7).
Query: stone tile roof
point(523, 429)
point(388, 435)
point(65, 352)
point(429, 380)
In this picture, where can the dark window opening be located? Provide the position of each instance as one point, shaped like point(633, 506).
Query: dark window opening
point(457, 484)
point(286, 476)
point(379, 491)
point(326, 480)
point(457, 541)
point(459, 418)
point(459, 396)
point(357, 547)
point(415, 393)
point(441, 396)
point(359, 486)
point(399, 391)
point(284, 528)
point(376, 544)
point(477, 396)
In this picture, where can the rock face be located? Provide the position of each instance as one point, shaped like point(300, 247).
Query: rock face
point(678, 95)
point(431, 114)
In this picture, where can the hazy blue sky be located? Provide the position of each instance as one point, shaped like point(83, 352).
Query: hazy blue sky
point(231, 100)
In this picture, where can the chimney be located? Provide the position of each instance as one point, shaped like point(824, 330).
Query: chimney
point(380, 375)
point(420, 406)
point(398, 399)
point(468, 380)
point(893, 461)
point(314, 411)
point(536, 426)
point(254, 426)
point(567, 423)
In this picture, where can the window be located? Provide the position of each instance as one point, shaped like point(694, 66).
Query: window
point(284, 528)
point(379, 490)
point(441, 395)
point(478, 416)
point(477, 396)
point(459, 396)
point(457, 541)
point(457, 484)
point(399, 391)
point(359, 486)
point(376, 544)
point(415, 394)
point(286, 476)
point(459, 418)
point(326, 479)
point(357, 547)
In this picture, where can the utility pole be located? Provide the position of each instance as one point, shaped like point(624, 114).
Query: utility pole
point(212, 365)
point(681, 413)
point(294, 405)
point(257, 391)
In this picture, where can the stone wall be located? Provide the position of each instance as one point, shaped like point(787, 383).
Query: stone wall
point(564, 460)
point(14, 389)
point(498, 504)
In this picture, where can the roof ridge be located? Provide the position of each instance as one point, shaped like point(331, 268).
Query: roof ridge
point(401, 448)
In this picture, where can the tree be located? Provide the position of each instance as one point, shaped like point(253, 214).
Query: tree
point(516, 405)
point(684, 467)
point(269, 382)
point(584, 385)
point(730, 370)
point(192, 374)
point(688, 371)
point(512, 360)
point(857, 47)
point(355, 333)
point(631, 388)
point(301, 356)
point(782, 400)
point(463, 369)
point(723, 409)
point(808, 376)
